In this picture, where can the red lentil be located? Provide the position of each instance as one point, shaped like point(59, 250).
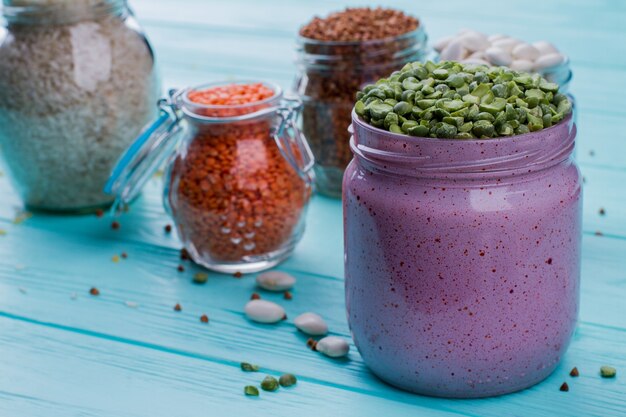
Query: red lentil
point(255, 296)
point(124, 255)
point(181, 268)
point(177, 307)
point(168, 228)
point(94, 291)
point(99, 213)
point(184, 255)
point(115, 225)
point(564, 387)
point(204, 318)
point(233, 193)
point(287, 295)
point(238, 274)
point(574, 372)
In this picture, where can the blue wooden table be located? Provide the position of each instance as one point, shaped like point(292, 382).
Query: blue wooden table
point(127, 353)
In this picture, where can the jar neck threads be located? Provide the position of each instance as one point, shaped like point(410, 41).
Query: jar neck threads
point(379, 150)
point(335, 55)
point(209, 113)
point(60, 12)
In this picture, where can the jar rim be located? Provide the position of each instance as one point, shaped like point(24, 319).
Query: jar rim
point(462, 158)
point(359, 121)
point(362, 55)
point(277, 90)
point(302, 40)
point(258, 109)
point(59, 13)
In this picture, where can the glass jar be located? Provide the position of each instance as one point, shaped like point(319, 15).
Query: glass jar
point(78, 82)
point(329, 75)
point(462, 258)
point(238, 179)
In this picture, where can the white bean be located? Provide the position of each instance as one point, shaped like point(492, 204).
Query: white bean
point(311, 324)
point(521, 65)
point(441, 44)
point(474, 41)
point(545, 47)
point(549, 60)
point(498, 56)
point(275, 281)
point(453, 52)
point(333, 346)
point(525, 51)
point(465, 54)
point(506, 44)
point(477, 55)
point(263, 311)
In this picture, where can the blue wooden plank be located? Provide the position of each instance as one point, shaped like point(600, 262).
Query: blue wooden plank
point(52, 274)
point(52, 372)
point(56, 353)
point(71, 357)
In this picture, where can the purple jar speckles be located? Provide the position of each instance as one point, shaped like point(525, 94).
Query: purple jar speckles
point(462, 258)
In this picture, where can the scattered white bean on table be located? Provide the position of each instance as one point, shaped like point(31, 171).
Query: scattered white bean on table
point(263, 311)
point(311, 324)
point(275, 281)
point(333, 346)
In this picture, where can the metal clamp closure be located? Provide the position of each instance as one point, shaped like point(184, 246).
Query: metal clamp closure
point(288, 138)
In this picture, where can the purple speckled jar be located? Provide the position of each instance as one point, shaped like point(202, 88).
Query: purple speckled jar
point(462, 258)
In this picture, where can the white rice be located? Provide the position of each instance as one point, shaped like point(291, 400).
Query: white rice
point(72, 98)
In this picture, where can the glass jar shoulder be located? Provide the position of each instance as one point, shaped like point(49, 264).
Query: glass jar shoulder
point(78, 59)
point(550, 190)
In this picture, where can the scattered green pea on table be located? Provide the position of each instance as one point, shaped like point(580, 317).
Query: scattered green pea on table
point(461, 101)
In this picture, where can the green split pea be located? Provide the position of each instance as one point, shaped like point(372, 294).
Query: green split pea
point(461, 101)
point(287, 380)
point(248, 367)
point(608, 372)
point(269, 383)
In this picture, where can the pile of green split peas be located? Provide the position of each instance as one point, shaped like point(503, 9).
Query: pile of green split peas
point(461, 101)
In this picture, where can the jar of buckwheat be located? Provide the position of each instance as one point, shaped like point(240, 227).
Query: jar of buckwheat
point(337, 55)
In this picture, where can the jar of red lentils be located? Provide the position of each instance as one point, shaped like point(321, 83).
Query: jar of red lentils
point(239, 174)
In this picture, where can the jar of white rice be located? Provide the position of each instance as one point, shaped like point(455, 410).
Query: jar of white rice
point(77, 84)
